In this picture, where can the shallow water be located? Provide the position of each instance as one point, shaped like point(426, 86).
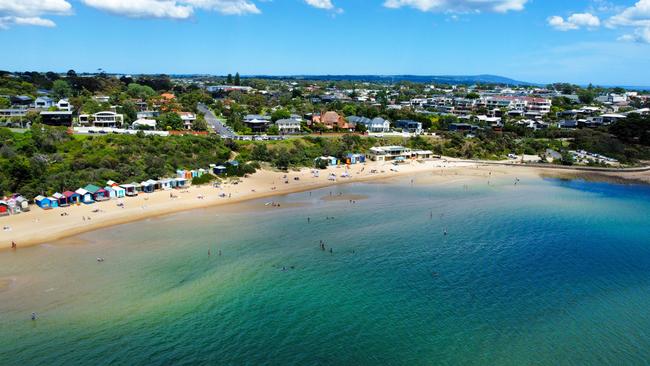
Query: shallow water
point(545, 272)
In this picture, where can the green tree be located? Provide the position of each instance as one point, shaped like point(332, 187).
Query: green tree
point(170, 121)
point(4, 103)
point(229, 79)
point(273, 130)
point(136, 90)
point(237, 79)
point(200, 124)
point(61, 89)
point(279, 114)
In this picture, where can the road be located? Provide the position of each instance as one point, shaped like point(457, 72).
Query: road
point(217, 126)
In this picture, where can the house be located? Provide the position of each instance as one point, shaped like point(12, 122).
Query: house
point(43, 202)
point(86, 197)
point(119, 191)
point(56, 118)
point(147, 187)
point(21, 100)
point(288, 125)
point(64, 105)
point(166, 184)
point(329, 160)
point(257, 123)
point(409, 125)
point(144, 124)
point(72, 197)
point(219, 170)
point(129, 190)
point(4, 208)
point(463, 127)
point(102, 98)
point(568, 123)
point(188, 119)
point(355, 158)
point(43, 102)
point(111, 192)
point(387, 153)
point(331, 120)
point(98, 193)
point(181, 182)
point(106, 119)
point(607, 119)
point(61, 199)
point(376, 125)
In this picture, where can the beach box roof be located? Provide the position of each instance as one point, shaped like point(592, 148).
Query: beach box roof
point(39, 198)
point(92, 188)
point(69, 194)
point(82, 191)
point(58, 195)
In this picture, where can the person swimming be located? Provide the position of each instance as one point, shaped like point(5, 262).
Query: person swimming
point(34, 316)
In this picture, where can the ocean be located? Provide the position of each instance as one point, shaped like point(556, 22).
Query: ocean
point(542, 272)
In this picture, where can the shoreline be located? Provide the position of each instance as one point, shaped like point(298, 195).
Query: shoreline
point(42, 226)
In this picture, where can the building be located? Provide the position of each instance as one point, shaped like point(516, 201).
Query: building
point(188, 119)
point(64, 105)
point(56, 118)
point(409, 125)
point(463, 127)
point(43, 103)
point(13, 112)
point(387, 153)
point(257, 123)
point(331, 120)
point(288, 125)
point(144, 123)
point(102, 119)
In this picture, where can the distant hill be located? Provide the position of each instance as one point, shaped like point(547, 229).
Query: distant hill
point(437, 79)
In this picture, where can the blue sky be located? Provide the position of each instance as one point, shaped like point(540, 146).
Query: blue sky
point(580, 41)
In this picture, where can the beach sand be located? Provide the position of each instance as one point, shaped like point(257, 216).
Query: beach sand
point(40, 226)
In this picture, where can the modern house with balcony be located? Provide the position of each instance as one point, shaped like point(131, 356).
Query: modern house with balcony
point(105, 119)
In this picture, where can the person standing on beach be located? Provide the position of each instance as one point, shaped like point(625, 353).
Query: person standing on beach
point(13, 245)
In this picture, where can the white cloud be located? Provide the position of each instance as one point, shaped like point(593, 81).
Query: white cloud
point(635, 16)
point(143, 8)
point(459, 6)
point(321, 4)
point(641, 35)
point(575, 21)
point(29, 12)
point(172, 9)
point(228, 7)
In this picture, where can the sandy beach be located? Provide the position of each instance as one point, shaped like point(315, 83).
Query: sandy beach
point(39, 226)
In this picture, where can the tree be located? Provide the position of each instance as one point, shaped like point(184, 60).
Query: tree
point(279, 114)
point(273, 130)
point(140, 91)
point(170, 121)
point(199, 124)
point(472, 95)
point(586, 96)
point(61, 89)
point(237, 79)
point(4, 103)
point(229, 79)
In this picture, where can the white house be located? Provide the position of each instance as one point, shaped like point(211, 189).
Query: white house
point(43, 102)
point(288, 125)
point(64, 105)
point(188, 119)
point(102, 119)
point(144, 122)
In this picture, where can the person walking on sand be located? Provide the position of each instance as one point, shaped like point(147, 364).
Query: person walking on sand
point(13, 245)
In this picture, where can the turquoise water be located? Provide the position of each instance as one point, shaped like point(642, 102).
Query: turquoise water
point(546, 272)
